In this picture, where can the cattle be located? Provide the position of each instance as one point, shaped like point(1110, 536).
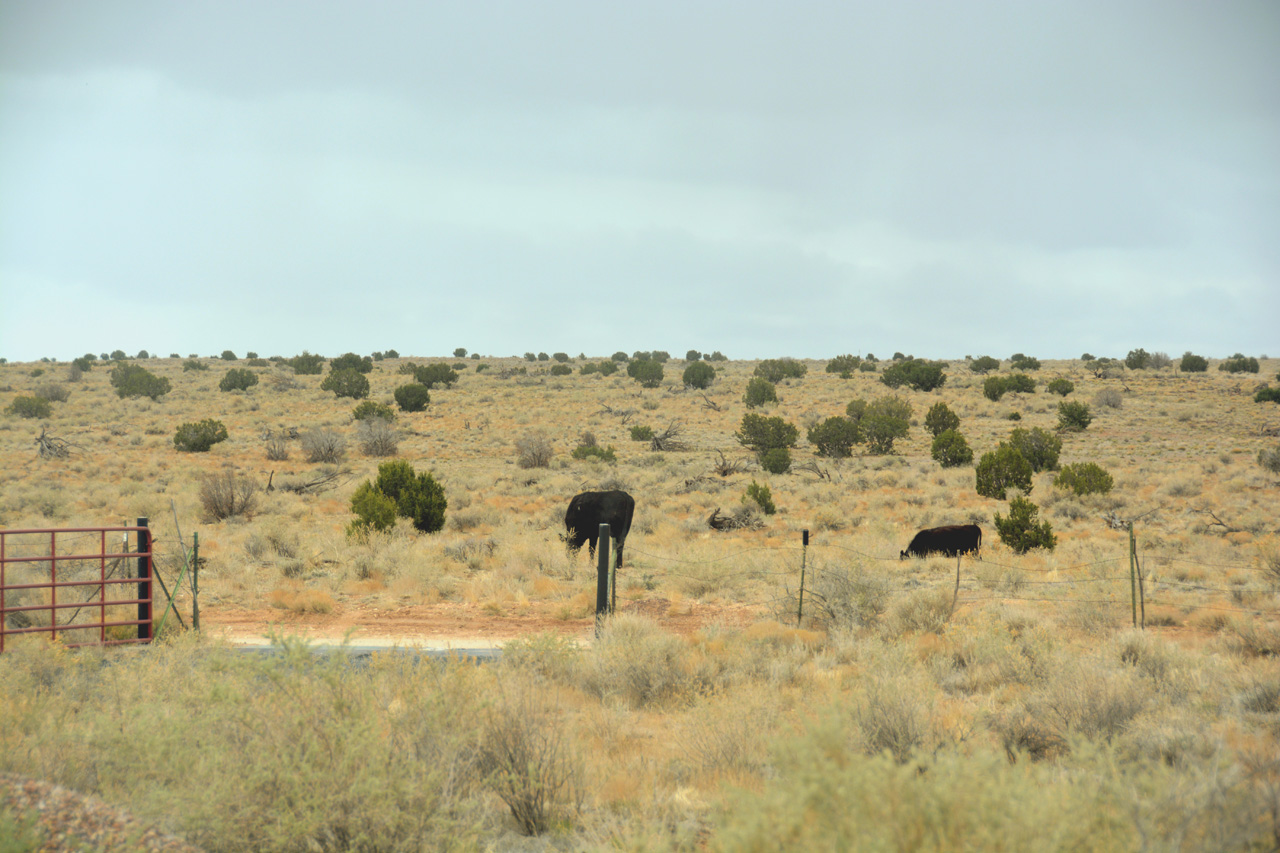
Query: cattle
point(589, 510)
point(949, 541)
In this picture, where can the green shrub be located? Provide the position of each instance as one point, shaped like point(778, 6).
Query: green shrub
point(200, 436)
point(940, 418)
point(1269, 459)
point(1073, 417)
point(594, 451)
point(351, 361)
point(646, 371)
point(844, 364)
point(867, 367)
point(716, 356)
point(589, 368)
point(1238, 363)
point(307, 364)
point(412, 398)
point(1060, 386)
point(561, 357)
point(761, 434)
point(238, 379)
point(693, 355)
point(778, 369)
point(561, 370)
point(131, 380)
point(885, 420)
point(1137, 359)
point(762, 497)
point(1192, 363)
point(1018, 361)
point(984, 364)
point(116, 355)
point(1013, 416)
point(1038, 447)
point(1019, 383)
point(346, 382)
point(835, 437)
point(36, 371)
point(1267, 395)
point(855, 410)
point(1084, 478)
point(1000, 470)
point(608, 367)
point(29, 407)
point(641, 433)
point(192, 364)
point(620, 356)
point(228, 355)
point(1020, 532)
point(418, 497)
point(699, 374)
point(432, 375)
point(759, 392)
point(776, 460)
point(372, 409)
point(917, 374)
point(84, 363)
point(257, 362)
point(950, 450)
point(993, 388)
point(373, 510)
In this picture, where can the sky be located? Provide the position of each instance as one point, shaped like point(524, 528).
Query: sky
point(765, 179)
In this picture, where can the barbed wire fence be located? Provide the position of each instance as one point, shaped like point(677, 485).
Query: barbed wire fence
point(1134, 580)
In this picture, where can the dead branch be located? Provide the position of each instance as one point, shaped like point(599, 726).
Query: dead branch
point(668, 439)
point(812, 467)
point(743, 519)
point(52, 447)
point(708, 403)
point(1217, 522)
point(726, 468)
point(322, 481)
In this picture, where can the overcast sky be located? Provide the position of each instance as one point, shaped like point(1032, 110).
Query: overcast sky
point(763, 178)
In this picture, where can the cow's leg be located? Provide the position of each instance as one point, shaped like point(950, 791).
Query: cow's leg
point(619, 562)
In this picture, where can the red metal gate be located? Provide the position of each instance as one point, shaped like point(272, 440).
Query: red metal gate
point(60, 582)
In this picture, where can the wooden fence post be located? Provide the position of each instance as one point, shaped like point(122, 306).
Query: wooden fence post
point(955, 596)
point(602, 578)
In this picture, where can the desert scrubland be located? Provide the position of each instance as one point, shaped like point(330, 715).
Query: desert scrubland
point(1022, 710)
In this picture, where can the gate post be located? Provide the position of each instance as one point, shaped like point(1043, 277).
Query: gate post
point(602, 578)
point(144, 580)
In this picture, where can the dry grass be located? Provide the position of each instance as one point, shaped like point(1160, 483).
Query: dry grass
point(1038, 660)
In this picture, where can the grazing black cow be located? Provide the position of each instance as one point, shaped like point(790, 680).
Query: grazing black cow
point(948, 541)
point(589, 510)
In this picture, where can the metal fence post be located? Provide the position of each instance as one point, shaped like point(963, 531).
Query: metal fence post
point(1133, 578)
point(804, 554)
point(195, 581)
point(602, 578)
point(144, 580)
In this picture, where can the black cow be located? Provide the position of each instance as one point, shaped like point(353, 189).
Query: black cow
point(948, 541)
point(589, 510)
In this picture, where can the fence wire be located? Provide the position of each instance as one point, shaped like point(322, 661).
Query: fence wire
point(818, 553)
